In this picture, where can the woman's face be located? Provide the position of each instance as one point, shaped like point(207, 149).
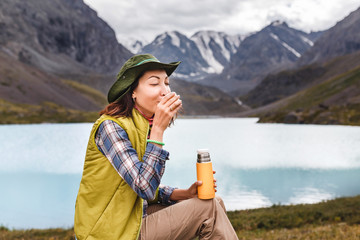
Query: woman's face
point(153, 86)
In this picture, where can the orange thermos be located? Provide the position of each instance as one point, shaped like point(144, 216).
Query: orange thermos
point(205, 174)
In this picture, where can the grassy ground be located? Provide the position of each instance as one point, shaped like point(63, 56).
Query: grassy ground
point(326, 232)
point(335, 219)
point(16, 113)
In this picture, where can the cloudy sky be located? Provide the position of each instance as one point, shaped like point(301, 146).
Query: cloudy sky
point(144, 19)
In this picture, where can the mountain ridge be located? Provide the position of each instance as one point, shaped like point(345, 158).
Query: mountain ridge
point(333, 98)
point(341, 39)
point(203, 53)
point(234, 64)
point(59, 36)
point(275, 47)
point(276, 97)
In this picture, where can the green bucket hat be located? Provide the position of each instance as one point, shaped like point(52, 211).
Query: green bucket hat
point(132, 69)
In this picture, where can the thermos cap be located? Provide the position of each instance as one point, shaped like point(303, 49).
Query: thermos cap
point(203, 155)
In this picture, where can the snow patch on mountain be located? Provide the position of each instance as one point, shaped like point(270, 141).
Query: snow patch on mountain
point(235, 40)
point(202, 42)
point(133, 45)
point(175, 40)
point(210, 41)
point(296, 53)
point(160, 39)
point(308, 41)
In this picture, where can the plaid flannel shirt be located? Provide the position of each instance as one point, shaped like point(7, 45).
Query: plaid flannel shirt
point(143, 177)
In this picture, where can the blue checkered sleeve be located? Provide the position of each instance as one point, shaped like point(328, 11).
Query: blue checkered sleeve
point(143, 177)
point(164, 195)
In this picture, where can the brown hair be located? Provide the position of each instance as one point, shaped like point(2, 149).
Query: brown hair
point(123, 106)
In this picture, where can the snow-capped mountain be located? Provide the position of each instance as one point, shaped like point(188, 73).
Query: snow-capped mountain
point(232, 63)
point(274, 48)
point(206, 52)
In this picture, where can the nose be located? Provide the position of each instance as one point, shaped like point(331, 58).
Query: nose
point(165, 89)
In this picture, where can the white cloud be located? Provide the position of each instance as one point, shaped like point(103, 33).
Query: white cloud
point(144, 19)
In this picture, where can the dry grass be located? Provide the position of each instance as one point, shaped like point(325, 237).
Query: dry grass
point(16, 113)
point(328, 232)
point(330, 220)
point(95, 95)
point(36, 234)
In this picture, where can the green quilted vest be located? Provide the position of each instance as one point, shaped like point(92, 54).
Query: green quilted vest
point(106, 206)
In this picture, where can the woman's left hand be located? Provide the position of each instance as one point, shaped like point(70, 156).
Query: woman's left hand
point(191, 192)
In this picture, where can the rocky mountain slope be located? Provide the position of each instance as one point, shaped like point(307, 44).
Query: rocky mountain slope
point(43, 44)
point(203, 100)
point(333, 101)
point(277, 86)
point(325, 91)
point(60, 36)
point(342, 39)
point(26, 84)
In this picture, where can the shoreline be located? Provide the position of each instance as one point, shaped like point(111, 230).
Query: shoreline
point(47, 112)
point(341, 212)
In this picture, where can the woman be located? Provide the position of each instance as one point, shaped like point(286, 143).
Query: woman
point(125, 161)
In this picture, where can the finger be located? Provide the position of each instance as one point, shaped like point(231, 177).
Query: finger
point(198, 183)
point(167, 97)
point(170, 99)
point(173, 101)
point(176, 106)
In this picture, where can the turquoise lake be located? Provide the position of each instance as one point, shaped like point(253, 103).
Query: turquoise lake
point(257, 165)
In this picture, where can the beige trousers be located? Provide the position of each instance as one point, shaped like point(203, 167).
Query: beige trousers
point(188, 219)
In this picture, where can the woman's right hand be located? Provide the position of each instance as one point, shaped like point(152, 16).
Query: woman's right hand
point(169, 105)
point(165, 111)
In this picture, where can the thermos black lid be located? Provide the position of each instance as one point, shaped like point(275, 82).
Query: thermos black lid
point(203, 155)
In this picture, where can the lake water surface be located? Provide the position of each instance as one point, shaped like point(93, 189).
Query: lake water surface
point(257, 165)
